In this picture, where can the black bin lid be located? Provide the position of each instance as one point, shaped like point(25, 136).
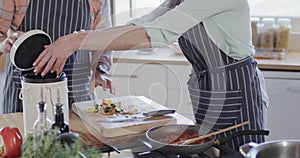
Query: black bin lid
point(30, 77)
point(27, 48)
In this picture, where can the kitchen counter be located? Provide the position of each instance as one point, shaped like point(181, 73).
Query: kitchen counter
point(89, 136)
point(291, 61)
point(76, 124)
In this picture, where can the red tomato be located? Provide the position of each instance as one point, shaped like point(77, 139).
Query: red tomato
point(10, 142)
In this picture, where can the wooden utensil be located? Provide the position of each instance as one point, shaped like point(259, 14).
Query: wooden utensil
point(192, 140)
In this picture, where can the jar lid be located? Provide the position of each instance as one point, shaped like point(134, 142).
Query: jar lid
point(255, 19)
point(268, 21)
point(27, 48)
point(284, 21)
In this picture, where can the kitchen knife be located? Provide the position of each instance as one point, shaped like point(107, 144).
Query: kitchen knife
point(138, 117)
point(159, 112)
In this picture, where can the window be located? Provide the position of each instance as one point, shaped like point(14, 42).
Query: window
point(280, 8)
point(124, 10)
point(275, 8)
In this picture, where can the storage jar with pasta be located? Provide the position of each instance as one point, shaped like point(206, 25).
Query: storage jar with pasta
point(266, 34)
point(283, 27)
point(255, 22)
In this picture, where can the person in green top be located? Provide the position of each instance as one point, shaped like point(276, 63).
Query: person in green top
point(225, 85)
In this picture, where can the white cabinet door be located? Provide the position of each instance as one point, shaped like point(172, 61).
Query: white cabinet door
point(284, 111)
point(181, 102)
point(139, 79)
point(178, 95)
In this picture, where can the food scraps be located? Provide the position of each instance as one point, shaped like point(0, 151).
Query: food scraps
point(107, 107)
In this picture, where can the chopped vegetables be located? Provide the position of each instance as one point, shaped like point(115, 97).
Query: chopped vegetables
point(107, 107)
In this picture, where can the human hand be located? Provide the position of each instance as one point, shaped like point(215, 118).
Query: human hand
point(7, 43)
point(54, 56)
point(101, 79)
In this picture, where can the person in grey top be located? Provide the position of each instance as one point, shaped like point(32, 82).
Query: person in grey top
point(56, 18)
point(225, 85)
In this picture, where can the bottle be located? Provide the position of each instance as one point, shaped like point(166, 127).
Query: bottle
point(59, 122)
point(283, 27)
point(42, 124)
point(267, 34)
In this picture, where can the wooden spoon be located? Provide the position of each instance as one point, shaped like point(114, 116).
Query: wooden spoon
point(192, 140)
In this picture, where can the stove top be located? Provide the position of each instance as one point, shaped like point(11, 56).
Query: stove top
point(142, 150)
point(223, 151)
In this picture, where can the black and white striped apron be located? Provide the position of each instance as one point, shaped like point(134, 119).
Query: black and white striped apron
point(223, 91)
point(56, 18)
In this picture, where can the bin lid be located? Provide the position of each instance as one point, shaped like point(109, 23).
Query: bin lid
point(27, 48)
point(30, 77)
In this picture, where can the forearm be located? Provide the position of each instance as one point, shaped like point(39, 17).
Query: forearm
point(115, 38)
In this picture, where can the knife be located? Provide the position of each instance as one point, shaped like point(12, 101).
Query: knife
point(138, 117)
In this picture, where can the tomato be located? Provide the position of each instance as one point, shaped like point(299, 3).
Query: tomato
point(10, 142)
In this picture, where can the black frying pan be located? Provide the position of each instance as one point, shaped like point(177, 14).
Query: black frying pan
point(154, 134)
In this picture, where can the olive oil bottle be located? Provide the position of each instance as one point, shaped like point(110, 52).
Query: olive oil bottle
point(59, 123)
point(42, 124)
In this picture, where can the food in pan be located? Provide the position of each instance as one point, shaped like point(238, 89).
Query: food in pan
point(108, 107)
point(175, 138)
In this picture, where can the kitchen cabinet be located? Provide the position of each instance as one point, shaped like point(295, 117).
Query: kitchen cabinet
point(178, 94)
point(146, 79)
point(283, 113)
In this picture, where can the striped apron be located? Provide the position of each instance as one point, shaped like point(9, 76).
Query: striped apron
point(56, 18)
point(223, 91)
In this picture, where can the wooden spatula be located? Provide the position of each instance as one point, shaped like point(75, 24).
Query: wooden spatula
point(192, 140)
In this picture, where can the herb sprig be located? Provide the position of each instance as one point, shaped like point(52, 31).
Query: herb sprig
point(50, 147)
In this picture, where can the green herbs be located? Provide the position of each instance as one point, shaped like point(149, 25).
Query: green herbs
point(52, 146)
point(107, 109)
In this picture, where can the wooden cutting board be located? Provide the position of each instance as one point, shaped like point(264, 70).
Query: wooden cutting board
point(123, 128)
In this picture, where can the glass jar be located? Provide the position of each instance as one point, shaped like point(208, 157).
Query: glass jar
point(255, 24)
point(267, 34)
point(283, 27)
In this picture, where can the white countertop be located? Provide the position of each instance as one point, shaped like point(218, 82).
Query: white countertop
point(291, 61)
point(158, 55)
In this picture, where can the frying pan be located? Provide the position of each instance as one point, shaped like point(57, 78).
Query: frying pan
point(154, 134)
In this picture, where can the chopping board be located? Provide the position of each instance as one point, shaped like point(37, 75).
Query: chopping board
point(109, 129)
